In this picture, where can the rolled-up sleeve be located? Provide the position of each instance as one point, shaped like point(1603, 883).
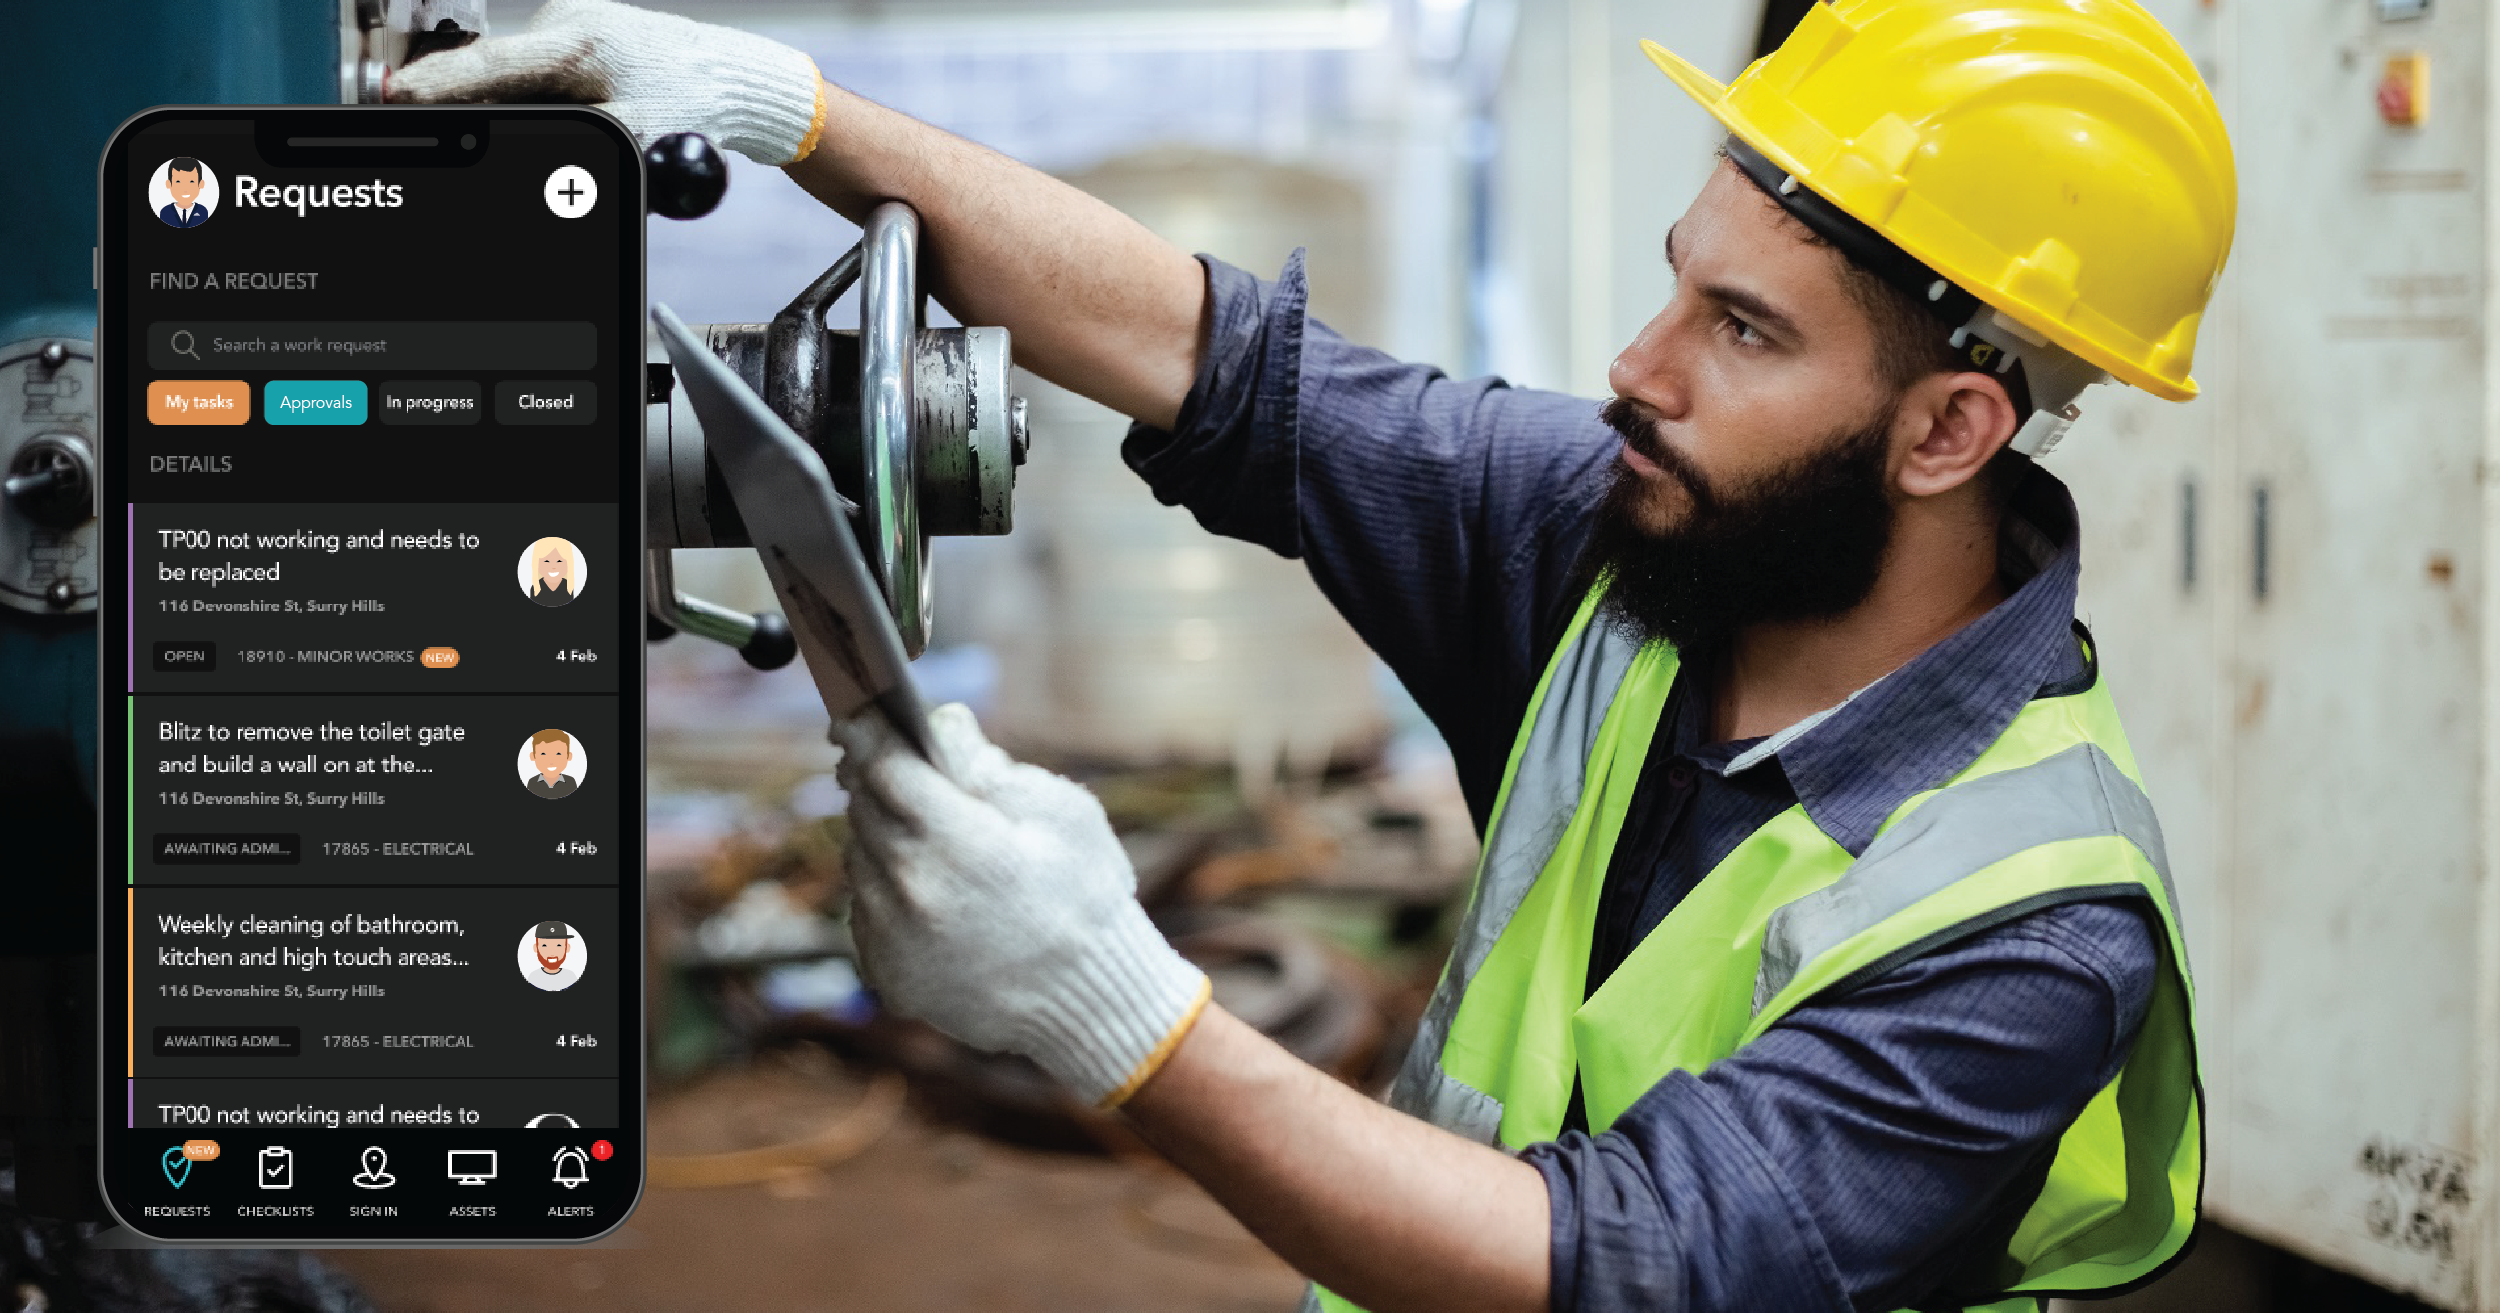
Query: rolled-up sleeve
point(1443, 517)
point(1867, 1150)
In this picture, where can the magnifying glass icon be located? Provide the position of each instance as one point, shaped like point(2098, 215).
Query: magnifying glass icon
point(183, 344)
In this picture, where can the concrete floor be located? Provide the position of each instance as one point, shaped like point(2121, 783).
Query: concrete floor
point(926, 1219)
point(930, 1218)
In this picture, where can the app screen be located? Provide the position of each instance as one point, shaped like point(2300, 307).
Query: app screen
point(372, 685)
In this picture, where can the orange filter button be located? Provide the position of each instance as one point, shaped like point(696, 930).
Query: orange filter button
point(439, 658)
point(199, 401)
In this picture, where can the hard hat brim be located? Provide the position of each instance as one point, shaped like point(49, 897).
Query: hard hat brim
point(1712, 95)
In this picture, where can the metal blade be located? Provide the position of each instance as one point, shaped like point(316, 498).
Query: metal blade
point(801, 531)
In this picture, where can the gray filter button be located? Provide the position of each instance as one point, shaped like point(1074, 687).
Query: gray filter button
point(427, 401)
point(538, 401)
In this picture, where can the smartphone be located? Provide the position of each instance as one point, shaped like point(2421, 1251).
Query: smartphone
point(371, 899)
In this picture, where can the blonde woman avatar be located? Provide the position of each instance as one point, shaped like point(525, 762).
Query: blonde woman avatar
point(551, 572)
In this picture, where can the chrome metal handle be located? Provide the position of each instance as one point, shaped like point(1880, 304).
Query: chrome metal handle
point(889, 323)
point(763, 638)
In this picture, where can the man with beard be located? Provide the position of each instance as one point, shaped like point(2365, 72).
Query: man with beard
point(1821, 955)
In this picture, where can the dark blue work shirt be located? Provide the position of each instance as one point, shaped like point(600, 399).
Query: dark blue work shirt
point(1871, 1150)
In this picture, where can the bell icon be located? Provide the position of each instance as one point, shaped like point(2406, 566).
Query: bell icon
point(572, 1167)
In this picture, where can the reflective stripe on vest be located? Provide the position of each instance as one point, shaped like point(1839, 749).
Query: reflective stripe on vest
point(1540, 793)
point(2051, 812)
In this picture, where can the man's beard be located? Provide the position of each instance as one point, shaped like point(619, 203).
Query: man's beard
point(1805, 542)
point(550, 965)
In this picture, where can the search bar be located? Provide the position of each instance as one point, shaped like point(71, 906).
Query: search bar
point(431, 346)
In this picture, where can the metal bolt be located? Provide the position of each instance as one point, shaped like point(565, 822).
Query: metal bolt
point(60, 594)
point(55, 354)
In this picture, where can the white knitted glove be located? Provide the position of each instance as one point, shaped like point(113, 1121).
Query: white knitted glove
point(992, 900)
point(657, 73)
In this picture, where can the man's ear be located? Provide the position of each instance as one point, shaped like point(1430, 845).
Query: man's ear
point(1956, 423)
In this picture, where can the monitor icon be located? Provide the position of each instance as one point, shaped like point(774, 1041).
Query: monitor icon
point(470, 1166)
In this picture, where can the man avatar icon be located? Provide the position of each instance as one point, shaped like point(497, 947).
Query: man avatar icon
point(555, 941)
point(553, 956)
point(551, 750)
point(376, 1175)
point(185, 179)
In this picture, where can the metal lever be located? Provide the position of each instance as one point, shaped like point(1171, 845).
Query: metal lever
point(51, 481)
point(763, 638)
point(916, 426)
point(685, 178)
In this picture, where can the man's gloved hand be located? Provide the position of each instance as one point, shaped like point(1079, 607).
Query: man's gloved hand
point(657, 73)
point(992, 900)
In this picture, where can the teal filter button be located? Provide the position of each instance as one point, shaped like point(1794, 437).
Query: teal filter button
point(313, 401)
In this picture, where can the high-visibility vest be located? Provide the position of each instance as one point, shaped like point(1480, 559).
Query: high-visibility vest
point(2052, 812)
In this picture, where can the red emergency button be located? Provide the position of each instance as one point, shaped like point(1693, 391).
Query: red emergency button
point(2404, 90)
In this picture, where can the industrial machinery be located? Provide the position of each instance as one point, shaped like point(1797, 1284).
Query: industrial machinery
point(79, 70)
point(915, 424)
point(376, 36)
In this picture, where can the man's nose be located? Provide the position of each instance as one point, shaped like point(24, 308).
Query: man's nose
point(1645, 370)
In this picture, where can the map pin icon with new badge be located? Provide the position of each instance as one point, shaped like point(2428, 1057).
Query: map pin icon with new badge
point(176, 1158)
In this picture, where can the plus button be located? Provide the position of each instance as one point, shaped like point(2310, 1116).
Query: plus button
point(571, 192)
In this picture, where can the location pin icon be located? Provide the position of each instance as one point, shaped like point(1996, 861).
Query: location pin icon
point(177, 1166)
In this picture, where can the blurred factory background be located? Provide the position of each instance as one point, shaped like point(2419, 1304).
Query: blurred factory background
point(2291, 581)
point(1480, 184)
point(1485, 184)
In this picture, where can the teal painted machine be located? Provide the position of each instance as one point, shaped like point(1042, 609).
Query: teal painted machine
point(70, 72)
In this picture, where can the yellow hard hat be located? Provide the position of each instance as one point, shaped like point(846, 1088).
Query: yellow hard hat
point(2061, 160)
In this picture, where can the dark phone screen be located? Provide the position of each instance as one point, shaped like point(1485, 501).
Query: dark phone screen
point(371, 685)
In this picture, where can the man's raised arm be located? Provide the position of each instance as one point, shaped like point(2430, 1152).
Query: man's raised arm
point(1097, 303)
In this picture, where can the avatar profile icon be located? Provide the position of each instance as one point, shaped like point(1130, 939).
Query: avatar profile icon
point(552, 956)
point(183, 192)
point(553, 572)
point(552, 764)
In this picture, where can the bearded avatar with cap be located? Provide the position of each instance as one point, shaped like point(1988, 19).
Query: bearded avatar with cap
point(554, 963)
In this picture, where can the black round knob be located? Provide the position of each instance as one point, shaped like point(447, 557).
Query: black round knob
point(773, 645)
point(687, 176)
point(50, 481)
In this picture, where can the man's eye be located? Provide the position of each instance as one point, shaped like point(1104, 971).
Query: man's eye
point(1744, 333)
